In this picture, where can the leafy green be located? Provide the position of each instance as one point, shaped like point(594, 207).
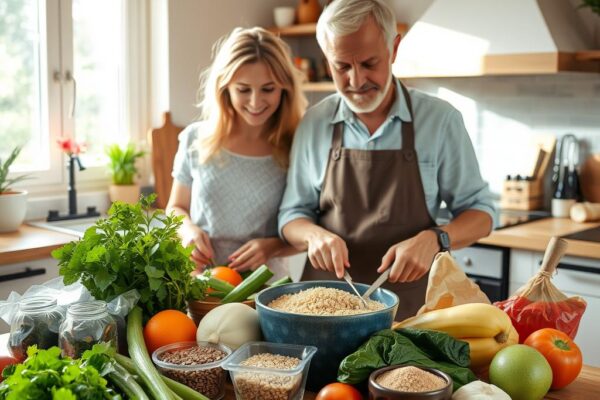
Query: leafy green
point(134, 248)
point(419, 347)
point(45, 375)
point(122, 163)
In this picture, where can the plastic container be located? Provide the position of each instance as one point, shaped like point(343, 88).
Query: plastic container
point(207, 378)
point(87, 323)
point(255, 383)
point(37, 321)
point(376, 391)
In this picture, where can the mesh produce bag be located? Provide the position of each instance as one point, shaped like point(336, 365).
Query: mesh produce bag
point(539, 304)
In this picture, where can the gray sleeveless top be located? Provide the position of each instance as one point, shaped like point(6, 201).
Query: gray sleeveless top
point(234, 198)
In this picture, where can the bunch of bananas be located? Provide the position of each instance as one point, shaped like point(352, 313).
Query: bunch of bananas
point(486, 328)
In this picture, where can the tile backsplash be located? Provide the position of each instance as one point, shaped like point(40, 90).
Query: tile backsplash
point(505, 114)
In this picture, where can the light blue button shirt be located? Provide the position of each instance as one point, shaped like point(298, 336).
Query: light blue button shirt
point(447, 161)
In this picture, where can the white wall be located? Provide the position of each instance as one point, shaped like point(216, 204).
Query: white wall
point(502, 113)
point(194, 25)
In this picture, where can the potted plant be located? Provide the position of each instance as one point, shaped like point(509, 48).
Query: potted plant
point(13, 203)
point(123, 169)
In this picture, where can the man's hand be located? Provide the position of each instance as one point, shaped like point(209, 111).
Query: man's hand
point(203, 252)
point(327, 251)
point(254, 253)
point(411, 258)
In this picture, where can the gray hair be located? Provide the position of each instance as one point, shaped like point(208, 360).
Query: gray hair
point(343, 17)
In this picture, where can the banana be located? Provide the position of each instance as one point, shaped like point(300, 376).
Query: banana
point(485, 327)
point(483, 350)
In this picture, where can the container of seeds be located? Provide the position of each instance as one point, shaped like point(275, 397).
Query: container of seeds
point(195, 364)
point(274, 371)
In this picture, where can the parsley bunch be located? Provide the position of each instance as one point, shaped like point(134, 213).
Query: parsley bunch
point(45, 375)
point(134, 248)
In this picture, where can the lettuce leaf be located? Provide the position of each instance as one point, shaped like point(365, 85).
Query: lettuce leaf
point(418, 347)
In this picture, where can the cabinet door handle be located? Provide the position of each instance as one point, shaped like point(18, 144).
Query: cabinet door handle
point(29, 272)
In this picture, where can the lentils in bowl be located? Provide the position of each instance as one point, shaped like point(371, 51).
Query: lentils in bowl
point(194, 364)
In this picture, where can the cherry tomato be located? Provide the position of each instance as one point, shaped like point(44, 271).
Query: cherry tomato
point(338, 391)
point(227, 274)
point(562, 354)
point(5, 361)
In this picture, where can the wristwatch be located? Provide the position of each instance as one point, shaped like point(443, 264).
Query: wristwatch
point(443, 238)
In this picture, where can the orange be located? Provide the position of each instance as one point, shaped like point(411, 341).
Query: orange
point(227, 274)
point(167, 327)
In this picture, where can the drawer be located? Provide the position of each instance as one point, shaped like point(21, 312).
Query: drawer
point(480, 261)
point(577, 275)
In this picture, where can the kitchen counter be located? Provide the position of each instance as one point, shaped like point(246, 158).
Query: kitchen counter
point(535, 235)
point(585, 387)
point(30, 243)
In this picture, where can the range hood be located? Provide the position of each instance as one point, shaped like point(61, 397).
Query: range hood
point(492, 37)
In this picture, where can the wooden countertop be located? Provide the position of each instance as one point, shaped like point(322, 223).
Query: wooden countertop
point(535, 236)
point(30, 243)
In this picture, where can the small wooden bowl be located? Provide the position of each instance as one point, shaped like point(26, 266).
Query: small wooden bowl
point(197, 309)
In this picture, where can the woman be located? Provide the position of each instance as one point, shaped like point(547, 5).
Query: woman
point(230, 168)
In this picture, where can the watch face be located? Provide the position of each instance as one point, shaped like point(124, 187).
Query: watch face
point(444, 240)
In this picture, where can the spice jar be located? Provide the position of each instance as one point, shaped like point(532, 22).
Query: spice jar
point(36, 322)
point(86, 324)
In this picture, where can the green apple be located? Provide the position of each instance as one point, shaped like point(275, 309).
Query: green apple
point(522, 372)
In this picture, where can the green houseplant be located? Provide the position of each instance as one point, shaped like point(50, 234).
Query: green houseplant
point(13, 203)
point(123, 170)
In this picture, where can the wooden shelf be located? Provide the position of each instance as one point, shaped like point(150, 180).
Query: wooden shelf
point(318, 87)
point(311, 30)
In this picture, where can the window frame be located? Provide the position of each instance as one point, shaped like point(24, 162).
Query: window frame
point(56, 59)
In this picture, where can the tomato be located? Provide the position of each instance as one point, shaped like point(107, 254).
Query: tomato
point(227, 274)
point(338, 391)
point(562, 354)
point(167, 327)
point(5, 361)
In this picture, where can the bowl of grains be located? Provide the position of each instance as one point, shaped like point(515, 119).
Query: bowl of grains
point(195, 364)
point(273, 371)
point(409, 382)
point(324, 314)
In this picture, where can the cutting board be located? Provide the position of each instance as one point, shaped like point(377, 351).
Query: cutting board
point(164, 147)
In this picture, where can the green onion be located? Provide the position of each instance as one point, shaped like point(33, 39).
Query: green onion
point(282, 281)
point(220, 285)
point(139, 354)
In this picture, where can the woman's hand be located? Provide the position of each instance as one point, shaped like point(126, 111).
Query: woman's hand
point(203, 252)
point(255, 253)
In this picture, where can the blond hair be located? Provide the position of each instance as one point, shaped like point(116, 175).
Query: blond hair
point(241, 47)
point(343, 17)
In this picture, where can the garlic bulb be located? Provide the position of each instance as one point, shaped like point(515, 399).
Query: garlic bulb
point(479, 390)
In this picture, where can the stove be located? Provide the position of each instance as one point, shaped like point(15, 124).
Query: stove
point(504, 218)
point(588, 235)
point(510, 218)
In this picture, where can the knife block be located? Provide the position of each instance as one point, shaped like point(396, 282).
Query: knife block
point(522, 194)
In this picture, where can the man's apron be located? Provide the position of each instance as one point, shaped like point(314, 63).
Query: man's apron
point(374, 199)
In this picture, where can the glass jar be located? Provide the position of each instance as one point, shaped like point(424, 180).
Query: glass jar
point(86, 324)
point(37, 321)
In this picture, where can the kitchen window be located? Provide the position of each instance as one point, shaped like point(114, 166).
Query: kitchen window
point(70, 68)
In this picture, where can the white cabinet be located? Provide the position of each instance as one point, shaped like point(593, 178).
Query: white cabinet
point(576, 276)
point(19, 277)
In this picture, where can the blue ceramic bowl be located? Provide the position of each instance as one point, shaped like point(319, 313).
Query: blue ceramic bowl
point(334, 336)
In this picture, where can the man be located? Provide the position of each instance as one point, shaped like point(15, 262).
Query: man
point(371, 164)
